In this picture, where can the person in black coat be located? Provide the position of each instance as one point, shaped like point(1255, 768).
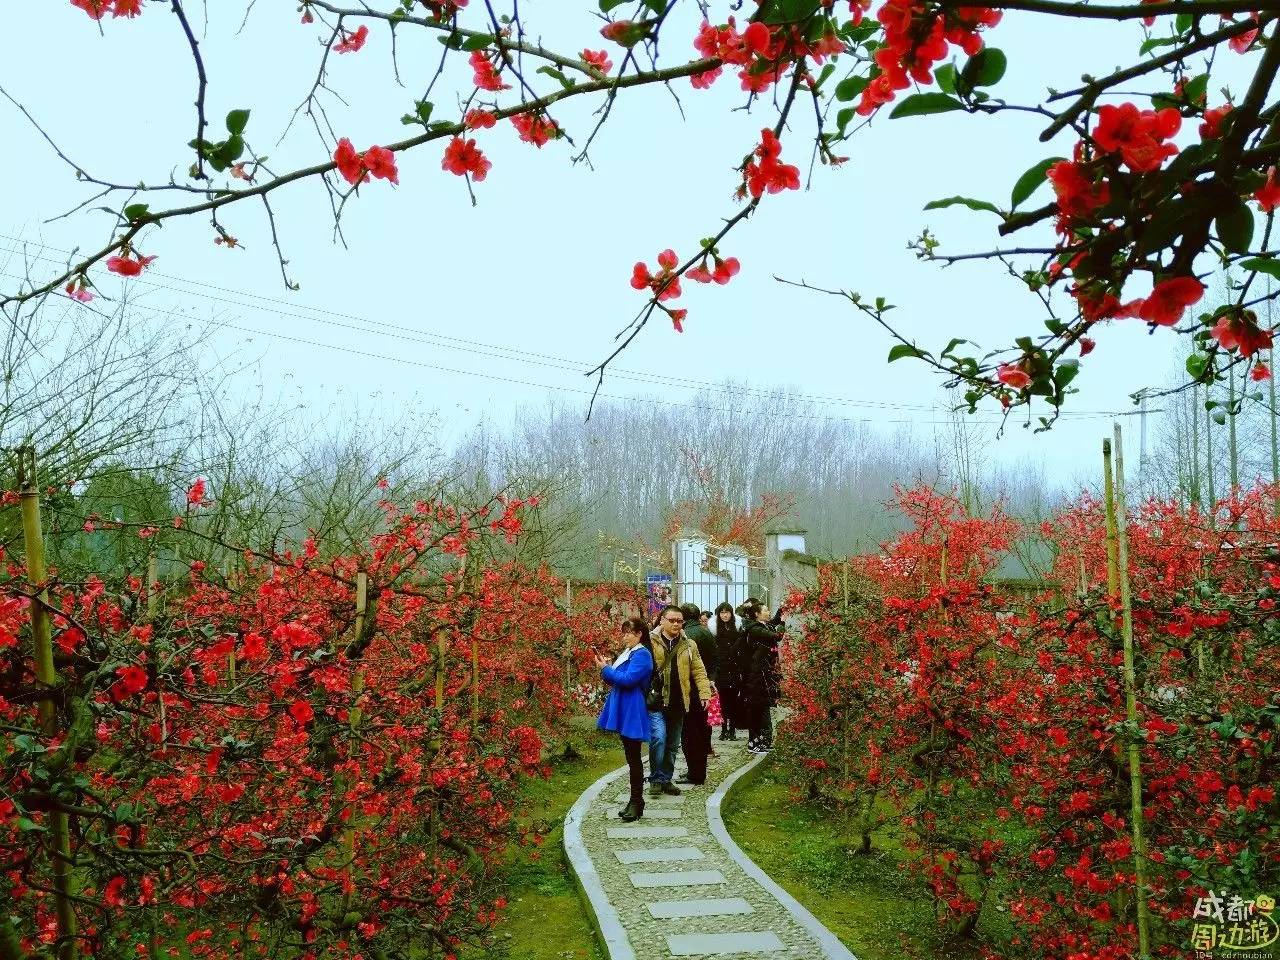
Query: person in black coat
point(761, 677)
point(728, 640)
point(697, 731)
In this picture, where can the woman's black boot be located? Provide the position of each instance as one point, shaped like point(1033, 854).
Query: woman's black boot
point(632, 811)
point(724, 730)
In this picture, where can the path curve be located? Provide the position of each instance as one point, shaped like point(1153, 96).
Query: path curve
point(674, 884)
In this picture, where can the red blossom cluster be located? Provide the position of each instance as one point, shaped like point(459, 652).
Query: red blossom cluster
point(917, 36)
point(535, 128)
point(485, 75)
point(128, 264)
point(1139, 136)
point(985, 725)
point(357, 168)
point(463, 158)
point(766, 172)
point(97, 9)
point(256, 764)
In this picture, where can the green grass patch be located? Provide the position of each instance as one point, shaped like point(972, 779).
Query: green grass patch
point(877, 910)
point(546, 918)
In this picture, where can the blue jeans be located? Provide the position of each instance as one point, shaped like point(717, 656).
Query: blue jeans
point(664, 745)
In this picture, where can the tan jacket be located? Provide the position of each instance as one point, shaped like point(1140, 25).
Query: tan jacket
point(688, 665)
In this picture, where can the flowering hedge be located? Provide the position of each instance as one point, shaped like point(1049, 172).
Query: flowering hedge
point(253, 767)
point(989, 731)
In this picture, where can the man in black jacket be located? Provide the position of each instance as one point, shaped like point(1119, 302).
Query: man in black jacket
point(697, 731)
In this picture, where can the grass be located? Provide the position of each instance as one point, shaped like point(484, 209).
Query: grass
point(545, 917)
point(875, 909)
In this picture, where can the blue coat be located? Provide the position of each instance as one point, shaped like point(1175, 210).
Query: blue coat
point(624, 711)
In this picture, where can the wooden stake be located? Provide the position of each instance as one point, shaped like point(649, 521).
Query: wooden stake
point(1109, 507)
point(1131, 703)
point(844, 573)
point(59, 835)
point(355, 716)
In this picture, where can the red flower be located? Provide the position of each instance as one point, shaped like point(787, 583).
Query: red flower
point(1268, 195)
point(381, 162)
point(78, 291)
point(756, 38)
point(665, 284)
point(535, 129)
point(598, 59)
point(1260, 372)
point(479, 120)
point(349, 163)
point(462, 157)
point(1012, 375)
point(677, 319)
point(726, 270)
point(1086, 346)
point(195, 495)
point(127, 8)
point(1240, 331)
point(1168, 301)
point(132, 680)
point(485, 75)
point(1243, 41)
point(126, 266)
point(1211, 128)
point(769, 174)
point(301, 712)
point(352, 42)
point(1078, 194)
point(1138, 135)
point(94, 8)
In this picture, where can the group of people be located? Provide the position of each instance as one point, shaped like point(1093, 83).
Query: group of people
point(670, 676)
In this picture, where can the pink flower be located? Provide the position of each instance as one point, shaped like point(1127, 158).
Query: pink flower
point(598, 59)
point(126, 266)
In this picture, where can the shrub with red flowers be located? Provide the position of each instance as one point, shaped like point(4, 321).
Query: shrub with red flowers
point(986, 728)
point(318, 754)
point(1156, 180)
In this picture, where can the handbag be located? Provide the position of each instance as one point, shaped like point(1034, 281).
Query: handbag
point(654, 699)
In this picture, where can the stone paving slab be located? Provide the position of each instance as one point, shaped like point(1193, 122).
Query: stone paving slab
point(646, 833)
point(660, 922)
point(677, 878)
point(678, 909)
point(651, 813)
point(661, 799)
point(659, 855)
point(724, 944)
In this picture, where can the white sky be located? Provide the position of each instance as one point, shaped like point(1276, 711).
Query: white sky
point(541, 266)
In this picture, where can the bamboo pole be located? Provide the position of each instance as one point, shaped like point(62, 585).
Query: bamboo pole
point(1108, 493)
point(1212, 503)
point(353, 722)
point(1233, 447)
point(1131, 703)
point(844, 573)
point(1275, 445)
point(42, 640)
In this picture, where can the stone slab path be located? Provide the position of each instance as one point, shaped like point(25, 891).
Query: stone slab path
point(674, 884)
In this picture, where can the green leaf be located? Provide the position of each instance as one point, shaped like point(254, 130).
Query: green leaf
point(921, 103)
point(850, 88)
point(952, 345)
point(477, 42)
point(557, 75)
point(237, 120)
point(27, 825)
point(825, 75)
point(904, 350)
point(1235, 227)
point(1155, 42)
point(788, 11)
point(1030, 181)
point(135, 211)
point(1197, 364)
point(1219, 417)
point(607, 5)
point(985, 68)
point(969, 202)
point(657, 6)
point(1182, 23)
point(843, 117)
point(946, 77)
point(1262, 265)
point(1065, 372)
point(423, 109)
point(1195, 89)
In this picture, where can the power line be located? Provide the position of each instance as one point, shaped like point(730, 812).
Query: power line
point(518, 355)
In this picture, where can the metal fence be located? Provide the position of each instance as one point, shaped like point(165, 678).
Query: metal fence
point(707, 576)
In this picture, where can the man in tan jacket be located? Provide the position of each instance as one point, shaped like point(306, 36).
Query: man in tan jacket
point(679, 665)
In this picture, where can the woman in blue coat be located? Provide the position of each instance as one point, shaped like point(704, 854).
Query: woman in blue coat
point(625, 712)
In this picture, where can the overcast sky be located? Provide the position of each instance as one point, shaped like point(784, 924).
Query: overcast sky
point(427, 284)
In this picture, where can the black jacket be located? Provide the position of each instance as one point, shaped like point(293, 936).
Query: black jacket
point(761, 676)
point(707, 647)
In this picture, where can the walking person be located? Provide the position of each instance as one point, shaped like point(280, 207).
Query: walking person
point(697, 729)
point(728, 668)
point(678, 666)
point(625, 711)
point(761, 676)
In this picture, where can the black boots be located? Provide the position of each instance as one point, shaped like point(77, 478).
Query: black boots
point(727, 732)
point(634, 810)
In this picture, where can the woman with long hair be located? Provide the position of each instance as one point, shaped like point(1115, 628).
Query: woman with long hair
point(730, 677)
point(625, 711)
point(760, 675)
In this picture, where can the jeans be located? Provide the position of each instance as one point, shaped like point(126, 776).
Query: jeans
point(657, 743)
point(672, 730)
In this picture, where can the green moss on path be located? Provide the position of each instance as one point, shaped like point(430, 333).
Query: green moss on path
point(866, 901)
point(546, 918)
